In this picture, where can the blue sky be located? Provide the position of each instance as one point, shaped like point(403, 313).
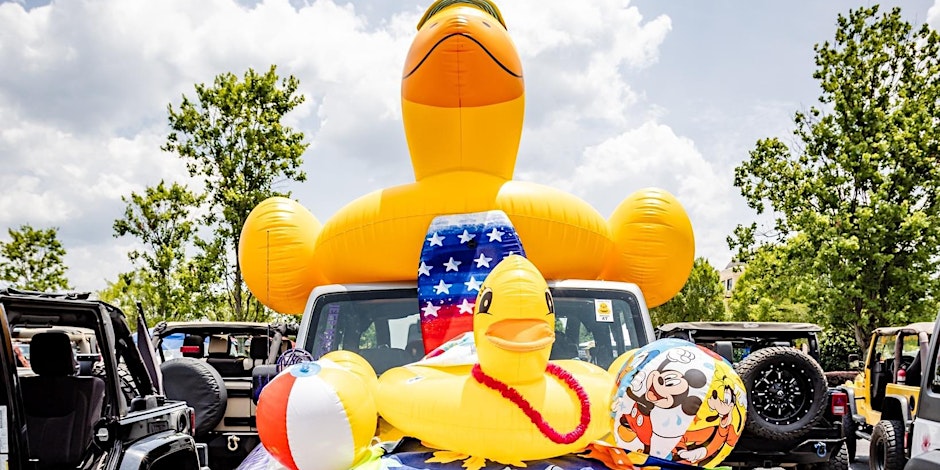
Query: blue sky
point(620, 95)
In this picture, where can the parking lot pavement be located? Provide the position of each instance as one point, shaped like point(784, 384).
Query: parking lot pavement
point(861, 456)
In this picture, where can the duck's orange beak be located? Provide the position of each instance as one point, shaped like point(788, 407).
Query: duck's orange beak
point(521, 335)
point(462, 56)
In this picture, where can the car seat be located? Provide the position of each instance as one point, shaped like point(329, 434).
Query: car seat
point(193, 346)
point(881, 376)
point(221, 359)
point(384, 358)
point(563, 348)
point(415, 346)
point(61, 409)
point(258, 350)
point(914, 371)
point(725, 349)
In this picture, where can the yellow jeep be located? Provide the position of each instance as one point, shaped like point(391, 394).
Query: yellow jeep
point(883, 397)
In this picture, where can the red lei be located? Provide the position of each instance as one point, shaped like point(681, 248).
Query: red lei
point(534, 416)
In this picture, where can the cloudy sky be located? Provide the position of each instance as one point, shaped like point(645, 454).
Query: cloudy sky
point(620, 95)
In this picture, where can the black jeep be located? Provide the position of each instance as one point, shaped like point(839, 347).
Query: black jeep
point(793, 417)
point(62, 404)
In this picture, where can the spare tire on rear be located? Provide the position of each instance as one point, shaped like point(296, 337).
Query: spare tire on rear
point(200, 385)
point(786, 392)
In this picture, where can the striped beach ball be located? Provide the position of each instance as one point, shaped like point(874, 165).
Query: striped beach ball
point(319, 415)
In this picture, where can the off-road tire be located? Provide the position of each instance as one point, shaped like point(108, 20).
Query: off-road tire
point(126, 380)
point(851, 440)
point(838, 461)
point(199, 385)
point(786, 392)
point(887, 446)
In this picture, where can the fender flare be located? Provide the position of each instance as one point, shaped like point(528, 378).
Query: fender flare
point(896, 407)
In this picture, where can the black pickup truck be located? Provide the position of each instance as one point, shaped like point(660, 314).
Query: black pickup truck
point(65, 361)
point(793, 417)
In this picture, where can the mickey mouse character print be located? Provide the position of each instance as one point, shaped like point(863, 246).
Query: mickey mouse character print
point(653, 410)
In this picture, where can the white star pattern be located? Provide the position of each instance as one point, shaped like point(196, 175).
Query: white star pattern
point(442, 288)
point(495, 235)
point(456, 258)
point(466, 307)
point(452, 265)
point(438, 240)
point(424, 269)
point(483, 261)
point(430, 310)
point(465, 237)
point(473, 284)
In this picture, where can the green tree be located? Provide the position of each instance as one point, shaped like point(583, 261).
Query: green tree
point(160, 218)
point(127, 290)
point(767, 288)
point(860, 185)
point(701, 298)
point(33, 259)
point(232, 136)
point(835, 346)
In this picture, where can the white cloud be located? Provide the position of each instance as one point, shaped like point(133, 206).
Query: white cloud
point(933, 15)
point(82, 120)
point(576, 58)
point(108, 257)
point(652, 155)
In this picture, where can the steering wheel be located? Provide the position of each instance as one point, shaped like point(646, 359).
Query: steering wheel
point(906, 362)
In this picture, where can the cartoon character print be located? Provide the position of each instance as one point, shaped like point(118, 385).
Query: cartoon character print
point(637, 436)
point(657, 407)
point(701, 445)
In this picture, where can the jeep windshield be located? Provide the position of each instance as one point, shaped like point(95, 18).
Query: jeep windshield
point(382, 325)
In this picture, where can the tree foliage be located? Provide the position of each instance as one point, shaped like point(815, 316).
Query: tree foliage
point(231, 135)
point(161, 219)
point(33, 259)
point(767, 288)
point(835, 347)
point(701, 298)
point(855, 198)
point(126, 291)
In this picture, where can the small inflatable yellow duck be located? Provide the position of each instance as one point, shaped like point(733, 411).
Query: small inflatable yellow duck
point(514, 405)
point(463, 100)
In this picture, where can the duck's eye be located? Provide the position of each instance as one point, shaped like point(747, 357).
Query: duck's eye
point(549, 302)
point(486, 299)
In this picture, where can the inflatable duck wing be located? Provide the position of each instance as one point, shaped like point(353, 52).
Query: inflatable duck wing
point(463, 100)
point(514, 404)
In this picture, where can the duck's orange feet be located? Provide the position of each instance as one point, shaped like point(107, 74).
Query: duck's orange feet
point(469, 462)
point(613, 457)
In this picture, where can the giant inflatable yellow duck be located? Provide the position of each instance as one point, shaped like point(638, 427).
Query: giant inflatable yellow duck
point(514, 405)
point(462, 106)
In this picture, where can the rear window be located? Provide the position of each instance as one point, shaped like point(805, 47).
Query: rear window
point(383, 326)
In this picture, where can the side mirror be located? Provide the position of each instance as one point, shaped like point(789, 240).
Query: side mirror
point(854, 362)
point(105, 433)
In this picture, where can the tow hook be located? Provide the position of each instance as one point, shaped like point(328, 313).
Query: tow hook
point(233, 443)
point(821, 449)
